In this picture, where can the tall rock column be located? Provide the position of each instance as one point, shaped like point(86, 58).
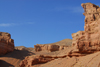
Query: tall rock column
point(89, 39)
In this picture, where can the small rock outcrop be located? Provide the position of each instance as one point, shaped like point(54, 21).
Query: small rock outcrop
point(32, 60)
point(89, 39)
point(37, 59)
point(6, 43)
point(50, 48)
point(53, 46)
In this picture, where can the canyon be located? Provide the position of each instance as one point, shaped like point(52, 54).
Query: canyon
point(82, 51)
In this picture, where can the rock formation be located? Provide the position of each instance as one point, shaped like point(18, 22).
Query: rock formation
point(53, 46)
point(6, 43)
point(32, 60)
point(84, 42)
point(89, 39)
point(91, 60)
point(38, 59)
point(50, 48)
point(84, 52)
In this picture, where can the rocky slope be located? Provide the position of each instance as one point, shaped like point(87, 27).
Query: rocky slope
point(14, 58)
point(91, 60)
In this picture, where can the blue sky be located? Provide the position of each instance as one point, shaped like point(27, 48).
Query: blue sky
point(33, 22)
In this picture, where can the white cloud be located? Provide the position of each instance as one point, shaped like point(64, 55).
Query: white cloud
point(74, 9)
point(14, 24)
point(6, 24)
point(77, 9)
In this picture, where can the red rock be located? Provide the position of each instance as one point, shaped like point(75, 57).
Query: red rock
point(61, 62)
point(32, 60)
point(6, 43)
point(53, 46)
point(38, 59)
point(90, 60)
point(89, 39)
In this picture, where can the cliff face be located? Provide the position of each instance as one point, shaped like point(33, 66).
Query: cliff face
point(53, 46)
point(6, 43)
point(89, 39)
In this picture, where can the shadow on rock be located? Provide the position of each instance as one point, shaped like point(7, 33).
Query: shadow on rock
point(5, 64)
point(18, 54)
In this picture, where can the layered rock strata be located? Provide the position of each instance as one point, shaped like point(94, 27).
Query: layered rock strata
point(89, 39)
point(37, 59)
point(50, 48)
point(53, 46)
point(6, 43)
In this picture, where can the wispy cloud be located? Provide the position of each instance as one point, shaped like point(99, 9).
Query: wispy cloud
point(14, 24)
point(74, 9)
point(77, 9)
point(6, 24)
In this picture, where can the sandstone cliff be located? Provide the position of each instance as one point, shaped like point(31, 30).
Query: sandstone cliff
point(6, 43)
point(53, 46)
point(89, 39)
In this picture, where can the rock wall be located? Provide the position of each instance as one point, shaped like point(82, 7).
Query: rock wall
point(54, 46)
point(49, 48)
point(89, 39)
point(6, 43)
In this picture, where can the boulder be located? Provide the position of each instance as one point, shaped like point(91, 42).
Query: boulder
point(6, 43)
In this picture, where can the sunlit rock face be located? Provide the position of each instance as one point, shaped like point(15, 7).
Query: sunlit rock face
point(60, 45)
point(89, 39)
point(50, 48)
point(6, 43)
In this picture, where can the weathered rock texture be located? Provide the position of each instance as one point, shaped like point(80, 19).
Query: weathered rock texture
point(6, 43)
point(32, 60)
point(89, 39)
point(53, 46)
point(91, 60)
point(38, 59)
